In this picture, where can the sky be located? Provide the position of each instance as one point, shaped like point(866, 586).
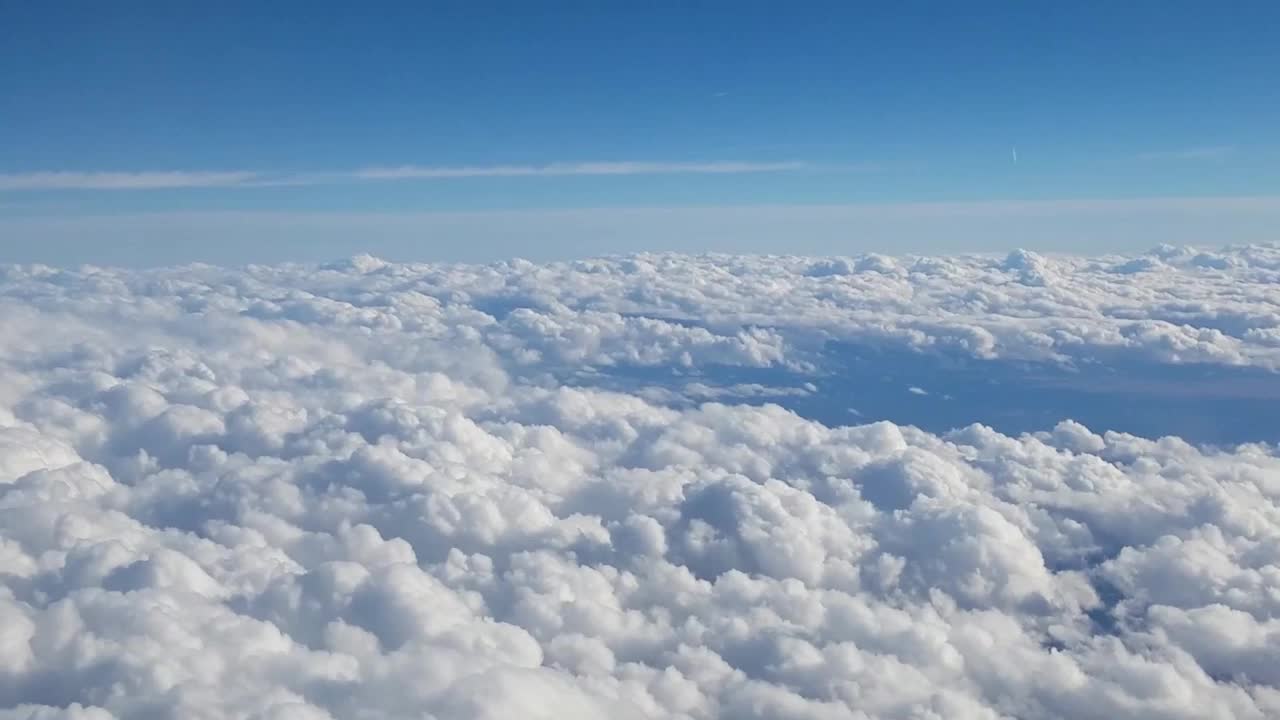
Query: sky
point(150, 133)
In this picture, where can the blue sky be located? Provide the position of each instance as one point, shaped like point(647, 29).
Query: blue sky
point(136, 133)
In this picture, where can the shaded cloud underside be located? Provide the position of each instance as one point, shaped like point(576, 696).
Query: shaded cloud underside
point(357, 491)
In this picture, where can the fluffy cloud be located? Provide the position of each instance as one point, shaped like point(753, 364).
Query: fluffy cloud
point(380, 491)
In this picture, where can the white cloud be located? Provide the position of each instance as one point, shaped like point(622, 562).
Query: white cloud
point(370, 489)
point(123, 180)
point(592, 168)
point(155, 180)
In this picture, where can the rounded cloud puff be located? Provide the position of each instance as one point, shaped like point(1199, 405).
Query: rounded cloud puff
point(373, 490)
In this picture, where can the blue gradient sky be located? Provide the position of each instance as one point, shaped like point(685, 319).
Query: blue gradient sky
point(135, 133)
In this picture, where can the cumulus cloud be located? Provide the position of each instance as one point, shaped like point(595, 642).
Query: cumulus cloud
point(378, 490)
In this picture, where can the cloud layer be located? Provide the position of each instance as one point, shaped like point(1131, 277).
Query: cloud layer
point(367, 490)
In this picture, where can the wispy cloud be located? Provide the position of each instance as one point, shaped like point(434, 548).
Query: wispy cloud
point(157, 180)
point(150, 180)
point(590, 168)
point(1207, 152)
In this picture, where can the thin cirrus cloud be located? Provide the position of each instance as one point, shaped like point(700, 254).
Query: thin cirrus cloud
point(593, 168)
point(159, 180)
point(148, 180)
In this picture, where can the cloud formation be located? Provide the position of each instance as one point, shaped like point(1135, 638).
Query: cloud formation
point(365, 489)
point(405, 172)
point(154, 180)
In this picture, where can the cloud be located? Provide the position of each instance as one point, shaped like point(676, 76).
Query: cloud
point(563, 169)
point(123, 180)
point(1207, 152)
point(155, 180)
point(383, 490)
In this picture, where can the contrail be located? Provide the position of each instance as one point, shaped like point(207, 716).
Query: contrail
point(1015, 156)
